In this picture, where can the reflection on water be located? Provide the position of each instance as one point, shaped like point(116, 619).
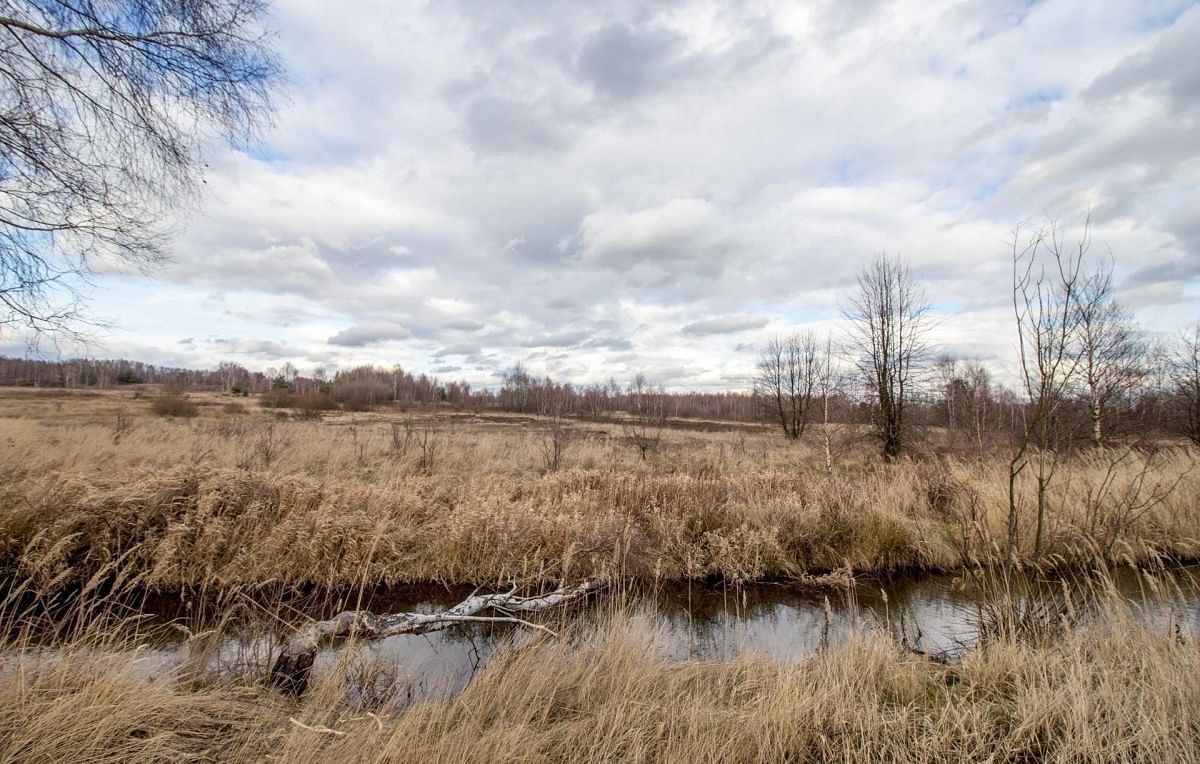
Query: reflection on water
point(692, 622)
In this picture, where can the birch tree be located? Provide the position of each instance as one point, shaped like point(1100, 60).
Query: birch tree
point(1045, 297)
point(1111, 353)
point(889, 323)
point(788, 371)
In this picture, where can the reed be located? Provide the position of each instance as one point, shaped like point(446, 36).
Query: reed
point(204, 525)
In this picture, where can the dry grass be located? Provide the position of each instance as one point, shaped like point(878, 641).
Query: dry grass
point(1114, 693)
point(243, 500)
point(99, 497)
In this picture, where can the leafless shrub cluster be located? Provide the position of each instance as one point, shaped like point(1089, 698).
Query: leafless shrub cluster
point(419, 435)
point(426, 442)
point(402, 436)
point(555, 438)
point(644, 425)
point(312, 405)
point(174, 405)
point(233, 408)
point(1127, 485)
point(265, 445)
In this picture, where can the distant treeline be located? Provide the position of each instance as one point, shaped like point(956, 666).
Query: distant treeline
point(364, 387)
point(958, 396)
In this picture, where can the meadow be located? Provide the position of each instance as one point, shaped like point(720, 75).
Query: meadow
point(237, 497)
point(107, 497)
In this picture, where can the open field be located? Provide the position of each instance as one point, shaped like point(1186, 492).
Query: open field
point(101, 499)
point(239, 498)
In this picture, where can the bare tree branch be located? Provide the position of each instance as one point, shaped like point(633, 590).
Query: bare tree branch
point(106, 108)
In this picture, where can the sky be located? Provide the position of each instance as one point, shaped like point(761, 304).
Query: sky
point(596, 189)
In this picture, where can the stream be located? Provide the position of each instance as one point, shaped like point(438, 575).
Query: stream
point(688, 621)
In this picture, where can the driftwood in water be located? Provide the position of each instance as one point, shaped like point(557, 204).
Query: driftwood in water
point(294, 665)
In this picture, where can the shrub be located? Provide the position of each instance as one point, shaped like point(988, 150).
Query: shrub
point(361, 395)
point(276, 398)
point(233, 407)
point(174, 405)
point(310, 405)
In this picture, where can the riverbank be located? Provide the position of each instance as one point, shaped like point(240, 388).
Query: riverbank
point(1114, 692)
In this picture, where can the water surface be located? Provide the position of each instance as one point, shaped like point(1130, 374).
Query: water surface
point(935, 613)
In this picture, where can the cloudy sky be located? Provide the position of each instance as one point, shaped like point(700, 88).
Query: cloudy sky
point(599, 188)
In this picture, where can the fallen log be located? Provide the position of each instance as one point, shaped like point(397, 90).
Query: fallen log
point(293, 667)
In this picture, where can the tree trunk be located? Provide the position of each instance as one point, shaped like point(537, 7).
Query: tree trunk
point(293, 668)
point(1042, 482)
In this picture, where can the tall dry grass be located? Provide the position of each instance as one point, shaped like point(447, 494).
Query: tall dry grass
point(202, 524)
point(1115, 692)
point(234, 500)
point(94, 507)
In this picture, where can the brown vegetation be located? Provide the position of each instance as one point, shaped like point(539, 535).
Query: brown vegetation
point(1116, 692)
point(244, 500)
point(174, 404)
point(233, 500)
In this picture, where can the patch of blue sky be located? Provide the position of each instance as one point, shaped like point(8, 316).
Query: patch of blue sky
point(138, 305)
point(847, 171)
point(802, 315)
point(942, 304)
point(1037, 97)
point(266, 154)
point(985, 189)
point(1160, 15)
point(164, 314)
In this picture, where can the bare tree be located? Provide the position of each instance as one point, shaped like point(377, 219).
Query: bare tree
point(967, 394)
point(557, 434)
point(1111, 352)
point(828, 383)
point(105, 107)
point(643, 428)
point(518, 387)
point(947, 370)
point(787, 373)
point(1184, 369)
point(889, 321)
point(1046, 293)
